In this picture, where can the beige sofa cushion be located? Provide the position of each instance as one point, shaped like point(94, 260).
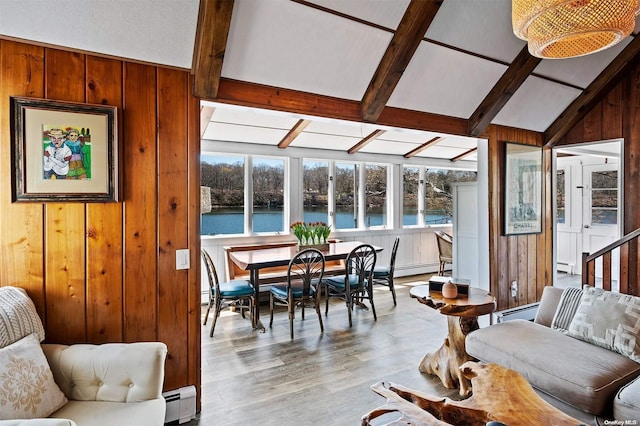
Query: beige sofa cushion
point(626, 405)
point(27, 388)
point(576, 372)
point(548, 305)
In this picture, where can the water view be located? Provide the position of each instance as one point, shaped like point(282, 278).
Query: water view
point(231, 221)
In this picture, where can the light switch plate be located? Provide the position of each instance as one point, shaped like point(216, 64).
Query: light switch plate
point(182, 259)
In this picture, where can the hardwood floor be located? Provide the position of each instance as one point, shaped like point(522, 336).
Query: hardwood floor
point(252, 378)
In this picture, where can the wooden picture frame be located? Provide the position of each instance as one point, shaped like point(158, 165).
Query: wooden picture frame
point(522, 189)
point(63, 151)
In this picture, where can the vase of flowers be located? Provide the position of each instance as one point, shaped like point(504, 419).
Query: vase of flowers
point(311, 234)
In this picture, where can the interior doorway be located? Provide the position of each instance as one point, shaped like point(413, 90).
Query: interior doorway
point(587, 205)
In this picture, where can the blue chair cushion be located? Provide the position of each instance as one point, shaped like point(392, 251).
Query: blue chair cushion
point(236, 288)
point(280, 291)
point(381, 271)
point(338, 281)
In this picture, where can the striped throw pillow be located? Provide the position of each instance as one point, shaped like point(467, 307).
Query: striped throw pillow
point(567, 307)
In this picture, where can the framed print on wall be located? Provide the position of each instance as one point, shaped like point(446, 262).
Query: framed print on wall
point(522, 189)
point(63, 151)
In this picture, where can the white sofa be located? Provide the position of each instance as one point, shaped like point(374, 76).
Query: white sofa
point(97, 385)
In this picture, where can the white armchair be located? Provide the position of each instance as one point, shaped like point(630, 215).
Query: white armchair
point(81, 384)
point(121, 382)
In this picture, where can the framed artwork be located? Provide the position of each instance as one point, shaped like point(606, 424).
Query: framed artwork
point(63, 151)
point(522, 189)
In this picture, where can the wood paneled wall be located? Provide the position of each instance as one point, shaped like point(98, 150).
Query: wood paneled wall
point(617, 115)
point(105, 272)
point(526, 259)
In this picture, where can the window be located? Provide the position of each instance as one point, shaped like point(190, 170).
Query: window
point(224, 176)
point(249, 194)
point(346, 190)
point(376, 195)
point(439, 193)
point(428, 194)
point(604, 197)
point(315, 177)
point(268, 195)
point(410, 179)
point(560, 197)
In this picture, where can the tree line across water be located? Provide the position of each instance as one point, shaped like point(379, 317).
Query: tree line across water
point(226, 181)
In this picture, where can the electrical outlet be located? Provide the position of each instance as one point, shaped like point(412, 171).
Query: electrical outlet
point(514, 288)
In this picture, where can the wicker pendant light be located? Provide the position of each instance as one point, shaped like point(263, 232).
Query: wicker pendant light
point(566, 29)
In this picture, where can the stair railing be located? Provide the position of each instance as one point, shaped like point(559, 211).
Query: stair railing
point(629, 261)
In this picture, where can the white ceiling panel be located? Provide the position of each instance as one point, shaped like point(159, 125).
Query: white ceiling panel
point(536, 104)
point(385, 13)
point(437, 151)
point(389, 147)
point(144, 30)
point(580, 71)
point(487, 28)
point(253, 117)
point(344, 128)
point(322, 141)
point(414, 136)
point(242, 133)
point(458, 142)
point(334, 56)
point(445, 81)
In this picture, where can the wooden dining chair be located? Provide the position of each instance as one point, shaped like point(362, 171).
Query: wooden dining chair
point(304, 278)
point(232, 293)
point(383, 274)
point(357, 283)
point(445, 250)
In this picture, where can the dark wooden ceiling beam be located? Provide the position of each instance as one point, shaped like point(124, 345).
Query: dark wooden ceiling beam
point(521, 67)
point(370, 137)
point(403, 45)
point(236, 92)
point(463, 155)
point(293, 133)
point(214, 20)
point(591, 95)
point(422, 147)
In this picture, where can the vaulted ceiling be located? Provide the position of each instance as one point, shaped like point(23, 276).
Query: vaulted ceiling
point(403, 77)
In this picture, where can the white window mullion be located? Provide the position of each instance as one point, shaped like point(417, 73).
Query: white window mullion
point(248, 196)
point(362, 196)
point(422, 205)
point(331, 195)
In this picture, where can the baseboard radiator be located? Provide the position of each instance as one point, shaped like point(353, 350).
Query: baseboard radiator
point(525, 312)
point(181, 404)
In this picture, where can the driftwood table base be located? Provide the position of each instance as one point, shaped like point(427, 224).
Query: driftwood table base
point(462, 318)
point(446, 361)
point(499, 394)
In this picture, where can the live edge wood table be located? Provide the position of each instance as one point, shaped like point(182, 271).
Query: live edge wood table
point(499, 394)
point(254, 260)
point(462, 318)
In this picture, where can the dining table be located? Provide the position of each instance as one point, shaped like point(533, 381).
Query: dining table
point(254, 260)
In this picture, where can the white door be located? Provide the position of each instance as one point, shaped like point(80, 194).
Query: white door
point(600, 209)
point(465, 232)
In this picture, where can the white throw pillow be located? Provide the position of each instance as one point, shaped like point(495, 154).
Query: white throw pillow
point(27, 388)
point(610, 320)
